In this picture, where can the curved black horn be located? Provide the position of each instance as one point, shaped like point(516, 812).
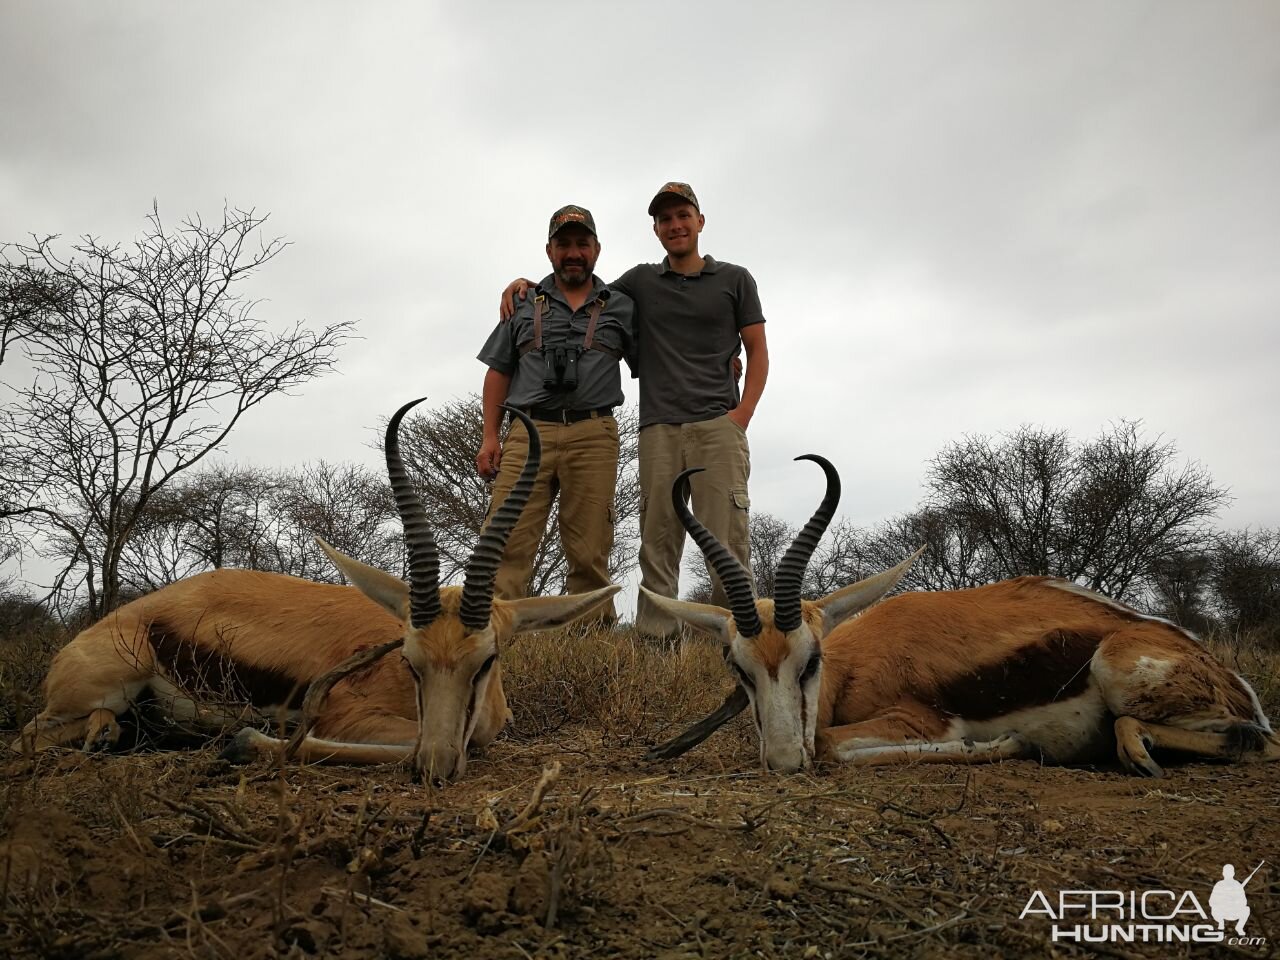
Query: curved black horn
point(424, 557)
point(733, 705)
point(477, 589)
point(735, 580)
point(790, 573)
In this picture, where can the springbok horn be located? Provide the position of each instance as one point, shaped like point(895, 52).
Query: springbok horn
point(477, 589)
point(735, 580)
point(424, 556)
point(733, 705)
point(790, 574)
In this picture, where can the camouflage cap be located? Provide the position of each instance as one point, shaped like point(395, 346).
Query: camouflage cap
point(571, 214)
point(674, 188)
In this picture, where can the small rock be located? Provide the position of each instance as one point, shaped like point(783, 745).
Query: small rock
point(403, 941)
point(486, 892)
point(529, 891)
point(310, 936)
point(784, 888)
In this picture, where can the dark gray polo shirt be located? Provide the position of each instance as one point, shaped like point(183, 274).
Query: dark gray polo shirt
point(599, 382)
point(687, 331)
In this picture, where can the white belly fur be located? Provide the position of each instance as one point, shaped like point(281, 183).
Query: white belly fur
point(1067, 731)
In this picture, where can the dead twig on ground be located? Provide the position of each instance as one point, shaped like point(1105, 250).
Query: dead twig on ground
point(205, 814)
point(549, 776)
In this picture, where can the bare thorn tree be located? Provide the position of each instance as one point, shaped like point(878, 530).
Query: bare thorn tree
point(1104, 513)
point(142, 361)
point(769, 536)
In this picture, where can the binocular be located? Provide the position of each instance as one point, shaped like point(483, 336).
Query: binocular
point(560, 367)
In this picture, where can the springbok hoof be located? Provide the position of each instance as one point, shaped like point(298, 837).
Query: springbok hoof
point(240, 748)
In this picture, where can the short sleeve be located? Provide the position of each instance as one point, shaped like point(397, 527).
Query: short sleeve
point(747, 309)
point(499, 351)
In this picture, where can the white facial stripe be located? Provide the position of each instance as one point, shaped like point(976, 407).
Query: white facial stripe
point(785, 710)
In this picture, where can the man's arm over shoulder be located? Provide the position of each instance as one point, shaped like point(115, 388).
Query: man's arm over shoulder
point(622, 310)
point(629, 281)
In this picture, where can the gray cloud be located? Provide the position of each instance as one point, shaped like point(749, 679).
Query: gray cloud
point(961, 217)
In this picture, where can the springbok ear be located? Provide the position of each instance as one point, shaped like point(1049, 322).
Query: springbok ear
point(547, 613)
point(382, 588)
point(844, 603)
point(706, 617)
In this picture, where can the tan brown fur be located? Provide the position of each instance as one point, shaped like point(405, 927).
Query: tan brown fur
point(312, 627)
point(1031, 667)
point(266, 637)
point(889, 673)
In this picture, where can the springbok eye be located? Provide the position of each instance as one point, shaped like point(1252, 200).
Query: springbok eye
point(409, 663)
point(743, 677)
point(811, 667)
point(484, 668)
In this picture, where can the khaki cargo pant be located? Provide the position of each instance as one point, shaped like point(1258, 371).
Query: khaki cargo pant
point(580, 464)
point(719, 501)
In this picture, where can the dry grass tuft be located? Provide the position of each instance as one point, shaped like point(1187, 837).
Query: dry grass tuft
point(1254, 659)
point(611, 681)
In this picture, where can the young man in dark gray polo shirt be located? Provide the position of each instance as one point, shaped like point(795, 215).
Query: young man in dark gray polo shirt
point(557, 359)
point(694, 315)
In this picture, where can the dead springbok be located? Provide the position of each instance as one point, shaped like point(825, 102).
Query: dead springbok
point(1033, 667)
point(262, 638)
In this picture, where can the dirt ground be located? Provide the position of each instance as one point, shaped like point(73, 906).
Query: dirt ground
point(179, 854)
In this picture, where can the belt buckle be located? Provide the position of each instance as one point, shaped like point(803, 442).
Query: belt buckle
point(564, 416)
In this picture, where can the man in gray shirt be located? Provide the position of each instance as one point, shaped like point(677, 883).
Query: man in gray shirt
point(557, 359)
point(694, 315)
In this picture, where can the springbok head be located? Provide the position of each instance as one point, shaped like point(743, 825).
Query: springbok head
point(773, 647)
point(452, 635)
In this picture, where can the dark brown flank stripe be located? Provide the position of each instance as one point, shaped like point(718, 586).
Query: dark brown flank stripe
point(1053, 669)
point(210, 673)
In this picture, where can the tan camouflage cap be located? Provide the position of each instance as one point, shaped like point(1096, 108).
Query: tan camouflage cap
point(571, 214)
point(682, 190)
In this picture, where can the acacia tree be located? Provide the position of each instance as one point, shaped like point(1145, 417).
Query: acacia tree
point(1104, 513)
point(769, 537)
point(1245, 576)
point(439, 448)
point(350, 506)
point(264, 520)
point(142, 360)
point(954, 557)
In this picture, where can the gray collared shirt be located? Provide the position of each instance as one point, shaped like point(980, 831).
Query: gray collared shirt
point(687, 332)
point(599, 381)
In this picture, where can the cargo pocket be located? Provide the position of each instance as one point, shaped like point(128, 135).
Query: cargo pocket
point(739, 524)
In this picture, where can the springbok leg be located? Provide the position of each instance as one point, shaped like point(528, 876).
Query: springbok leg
point(1134, 738)
point(102, 731)
point(249, 744)
point(1008, 747)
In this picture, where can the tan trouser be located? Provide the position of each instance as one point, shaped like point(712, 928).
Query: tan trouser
point(580, 463)
point(720, 502)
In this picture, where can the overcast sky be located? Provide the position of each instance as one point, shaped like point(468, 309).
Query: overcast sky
point(962, 216)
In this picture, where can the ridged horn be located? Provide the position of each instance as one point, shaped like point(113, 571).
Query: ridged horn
point(735, 703)
point(477, 589)
point(424, 556)
point(735, 580)
point(790, 573)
